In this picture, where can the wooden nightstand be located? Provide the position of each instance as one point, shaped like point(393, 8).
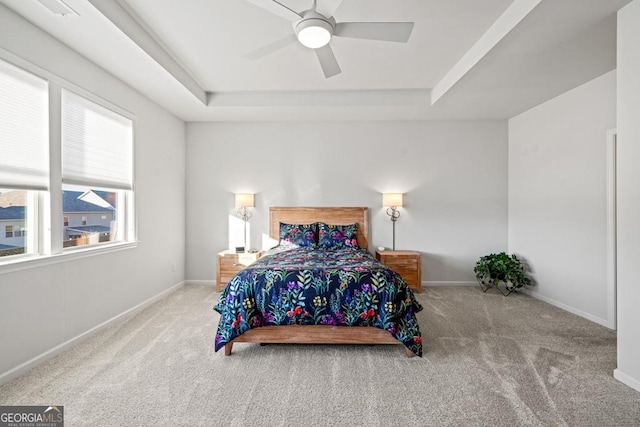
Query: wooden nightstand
point(229, 263)
point(408, 264)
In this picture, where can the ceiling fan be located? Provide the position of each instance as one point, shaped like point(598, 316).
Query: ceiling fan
point(315, 27)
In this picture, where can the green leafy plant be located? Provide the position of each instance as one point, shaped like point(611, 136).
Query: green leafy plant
point(493, 269)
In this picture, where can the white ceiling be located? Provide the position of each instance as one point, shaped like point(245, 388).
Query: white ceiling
point(482, 59)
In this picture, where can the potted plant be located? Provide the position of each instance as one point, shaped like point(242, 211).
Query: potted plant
point(493, 269)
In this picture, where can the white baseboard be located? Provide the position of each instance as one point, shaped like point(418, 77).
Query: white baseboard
point(445, 283)
point(626, 379)
point(201, 282)
point(599, 320)
point(32, 363)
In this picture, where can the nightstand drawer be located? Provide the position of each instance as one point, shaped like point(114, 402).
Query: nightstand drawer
point(228, 261)
point(402, 262)
point(410, 275)
point(233, 263)
point(407, 264)
point(228, 264)
point(242, 259)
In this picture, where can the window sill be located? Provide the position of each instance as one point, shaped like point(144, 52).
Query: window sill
point(33, 261)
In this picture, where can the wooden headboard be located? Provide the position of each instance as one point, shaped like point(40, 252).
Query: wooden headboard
point(331, 216)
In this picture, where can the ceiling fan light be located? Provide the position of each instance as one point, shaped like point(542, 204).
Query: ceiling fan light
point(314, 33)
point(314, 37)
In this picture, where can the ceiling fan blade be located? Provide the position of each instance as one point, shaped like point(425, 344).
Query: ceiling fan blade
point(271, 47)
point(328, 61)
point(277, 9)
point(328, 7)
point(384, 31)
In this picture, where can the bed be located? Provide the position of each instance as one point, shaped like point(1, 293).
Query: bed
point(333, 292)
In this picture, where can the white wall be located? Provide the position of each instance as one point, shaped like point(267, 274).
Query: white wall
point(41, 308)
point(557, 195)
point(629, 195)
point(453, 174)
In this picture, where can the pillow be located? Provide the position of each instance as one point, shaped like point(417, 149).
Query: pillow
point(337, 236)
point(303, 235)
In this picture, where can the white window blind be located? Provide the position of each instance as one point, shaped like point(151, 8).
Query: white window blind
point(24, 129)
point(97, 144)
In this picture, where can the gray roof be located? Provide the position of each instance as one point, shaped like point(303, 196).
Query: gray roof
point(90, 229)
point(71, 203)
point(13, 212)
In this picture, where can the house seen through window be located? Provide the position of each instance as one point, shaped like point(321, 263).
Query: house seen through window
point(13, 220)
point(91, 216)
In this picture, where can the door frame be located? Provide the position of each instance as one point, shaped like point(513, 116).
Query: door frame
point(611, 230)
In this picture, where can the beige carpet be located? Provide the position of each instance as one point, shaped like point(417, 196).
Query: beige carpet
point(489, 361)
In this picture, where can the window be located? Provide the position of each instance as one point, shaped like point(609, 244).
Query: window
point(97, 171)
point(24, 162)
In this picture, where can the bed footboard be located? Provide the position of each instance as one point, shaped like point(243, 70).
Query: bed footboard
point(316, 334)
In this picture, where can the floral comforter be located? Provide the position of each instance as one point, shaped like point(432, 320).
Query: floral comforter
point(310, 286)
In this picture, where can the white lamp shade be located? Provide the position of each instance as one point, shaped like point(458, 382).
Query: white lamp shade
point(244, 200)
point(392, 199)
